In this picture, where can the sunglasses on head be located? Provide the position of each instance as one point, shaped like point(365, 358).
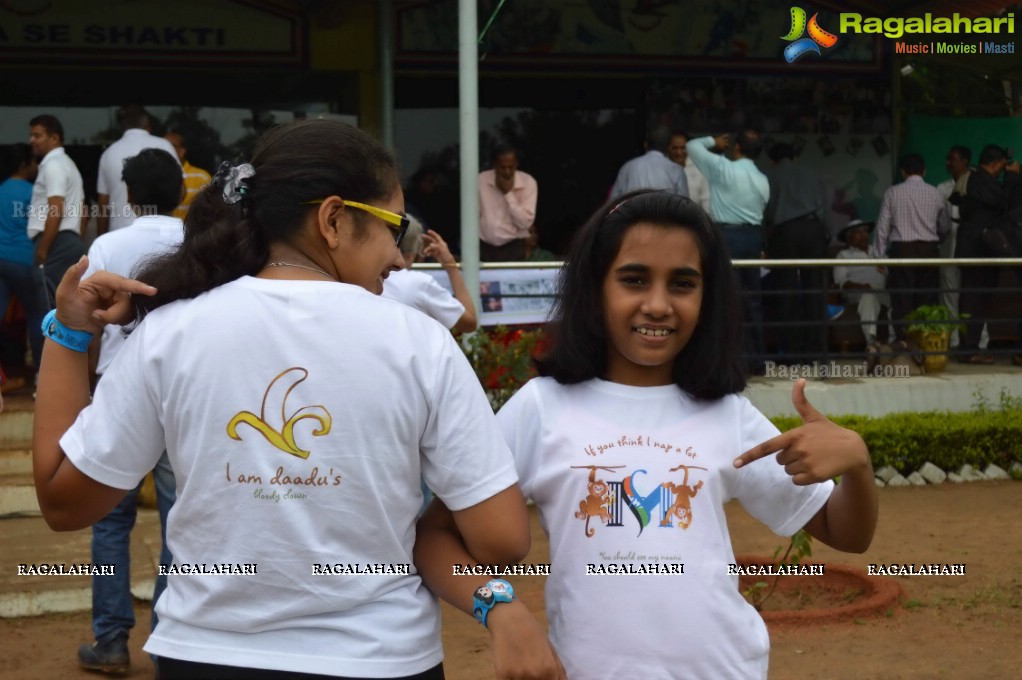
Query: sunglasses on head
point(398, 224)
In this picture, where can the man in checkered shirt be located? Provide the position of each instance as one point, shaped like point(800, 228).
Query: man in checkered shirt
point(913, 220)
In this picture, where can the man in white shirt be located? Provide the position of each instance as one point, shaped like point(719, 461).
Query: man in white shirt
point(507, 208)
point(57, 207)
point(957, 164)
point(864, 286)
point(114, 210)
point(154, 190)
point(698, 187)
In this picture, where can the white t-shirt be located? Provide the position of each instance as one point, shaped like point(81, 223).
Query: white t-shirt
point(111, 166)
point(422, 292)
point(693, 624)
point(58, 176)
point(374, 395)
point(119, 252)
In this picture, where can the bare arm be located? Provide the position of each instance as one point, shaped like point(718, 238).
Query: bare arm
point(820, 450)
point(520, 647)
point(437, 248)
point(68, 498)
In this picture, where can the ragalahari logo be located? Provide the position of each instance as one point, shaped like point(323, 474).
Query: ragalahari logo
point(817, 36)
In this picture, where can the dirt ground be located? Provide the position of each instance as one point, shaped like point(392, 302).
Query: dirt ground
point(963, 627)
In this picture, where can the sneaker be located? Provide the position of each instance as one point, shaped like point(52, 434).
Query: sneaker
point(110, 658)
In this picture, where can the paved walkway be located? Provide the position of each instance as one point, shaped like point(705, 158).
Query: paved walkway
point(854, 392)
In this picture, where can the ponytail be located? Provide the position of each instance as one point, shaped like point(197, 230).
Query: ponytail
point(294, 165)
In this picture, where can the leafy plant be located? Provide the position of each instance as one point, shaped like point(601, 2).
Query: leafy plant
point(934, 319)
point(502, 359)
point(800, 547)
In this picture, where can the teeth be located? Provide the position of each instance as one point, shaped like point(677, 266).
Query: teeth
point(655, 332)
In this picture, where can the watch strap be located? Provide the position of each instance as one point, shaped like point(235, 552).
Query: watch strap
point(495, 591)
point(62, 335)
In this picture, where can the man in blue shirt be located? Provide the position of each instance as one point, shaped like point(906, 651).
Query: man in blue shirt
point(738, 197)
point(652, 170)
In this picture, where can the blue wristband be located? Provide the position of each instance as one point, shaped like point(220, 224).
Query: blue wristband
point(62, 335)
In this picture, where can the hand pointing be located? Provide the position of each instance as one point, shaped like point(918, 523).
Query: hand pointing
point(816, 451)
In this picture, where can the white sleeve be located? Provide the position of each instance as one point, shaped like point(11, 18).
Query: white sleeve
point(519, 421)
point(438, 303)
point(102, 182)
point(464, 458)
point(120, 438)
point(764, 489)
point(841, 273)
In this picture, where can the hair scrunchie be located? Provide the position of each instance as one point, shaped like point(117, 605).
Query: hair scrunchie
point(232, 179)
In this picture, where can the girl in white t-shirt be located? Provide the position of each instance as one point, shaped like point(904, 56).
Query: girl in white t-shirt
point(299, 410)
point(637, 435)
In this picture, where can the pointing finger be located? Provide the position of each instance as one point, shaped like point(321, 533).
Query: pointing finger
point(781, 441)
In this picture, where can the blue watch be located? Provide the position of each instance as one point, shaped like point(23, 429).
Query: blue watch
point(497, 590)
point(62, 335)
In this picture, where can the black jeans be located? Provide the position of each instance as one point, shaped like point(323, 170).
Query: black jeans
point(911, 287)
point(67, 248)
point(745, 242)
point(803, 302)
point(975, 303)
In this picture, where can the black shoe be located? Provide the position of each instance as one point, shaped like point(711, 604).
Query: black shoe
point(110, 658)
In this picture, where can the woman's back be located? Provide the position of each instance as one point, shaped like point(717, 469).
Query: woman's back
point(294, 413)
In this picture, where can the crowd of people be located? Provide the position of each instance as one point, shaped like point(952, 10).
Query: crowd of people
point(779, 214)
point(288, 280)
point(277, 292)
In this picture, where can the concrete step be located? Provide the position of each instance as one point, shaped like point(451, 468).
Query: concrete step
point(15, 461)
point(17, 492)
point(17, 496)
point(29, 541)
point(16, 421)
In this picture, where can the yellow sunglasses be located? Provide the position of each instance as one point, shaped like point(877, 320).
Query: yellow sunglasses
point(395, 222)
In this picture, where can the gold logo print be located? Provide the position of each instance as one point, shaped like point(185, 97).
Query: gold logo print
point(284, 439)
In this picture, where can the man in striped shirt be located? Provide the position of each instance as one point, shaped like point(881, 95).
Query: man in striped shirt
point(913, 220)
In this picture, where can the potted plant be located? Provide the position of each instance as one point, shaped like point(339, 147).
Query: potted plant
point(932, 332)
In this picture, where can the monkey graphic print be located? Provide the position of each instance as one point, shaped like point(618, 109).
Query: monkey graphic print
point(630, 483)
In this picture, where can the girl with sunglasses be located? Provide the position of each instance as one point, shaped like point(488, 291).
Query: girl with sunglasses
point(298, 409)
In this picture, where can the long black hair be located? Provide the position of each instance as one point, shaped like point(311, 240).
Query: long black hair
point(710, 365)
point(295, 164)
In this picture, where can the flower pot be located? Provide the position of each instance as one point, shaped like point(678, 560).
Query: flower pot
point(934, 341)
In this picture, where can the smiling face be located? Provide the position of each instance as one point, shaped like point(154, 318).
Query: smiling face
point(652, 295)
point(367, 259)
point(676, 151)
